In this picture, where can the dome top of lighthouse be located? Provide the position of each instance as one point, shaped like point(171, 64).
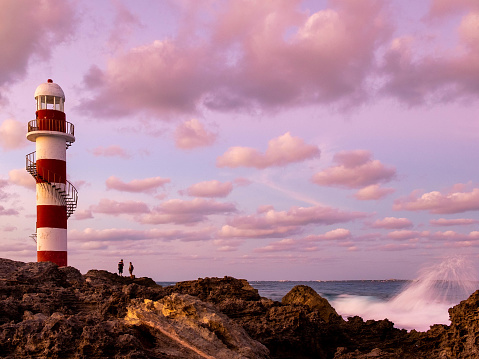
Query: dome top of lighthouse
point(49, 89)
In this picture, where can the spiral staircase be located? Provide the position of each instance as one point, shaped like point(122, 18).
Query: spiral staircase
point(65, 193)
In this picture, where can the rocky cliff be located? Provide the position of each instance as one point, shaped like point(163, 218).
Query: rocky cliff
point(52, 312)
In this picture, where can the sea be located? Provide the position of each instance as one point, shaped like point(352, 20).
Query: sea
point(410, 304)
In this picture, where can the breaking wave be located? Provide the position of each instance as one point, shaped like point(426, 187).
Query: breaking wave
point(422, 303)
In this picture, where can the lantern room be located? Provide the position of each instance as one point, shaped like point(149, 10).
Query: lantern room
point(50, 114)
point(50, 96)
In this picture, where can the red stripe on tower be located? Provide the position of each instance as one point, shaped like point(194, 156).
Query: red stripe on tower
point(51, 170)
point(56, 197)
point(57, 257)
point(49, 216)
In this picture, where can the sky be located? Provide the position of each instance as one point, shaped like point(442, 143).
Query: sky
point(266, 140)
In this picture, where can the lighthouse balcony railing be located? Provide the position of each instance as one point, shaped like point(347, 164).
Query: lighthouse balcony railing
point(47, 124)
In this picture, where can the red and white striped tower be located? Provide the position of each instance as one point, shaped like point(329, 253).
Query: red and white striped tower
point(56, 197)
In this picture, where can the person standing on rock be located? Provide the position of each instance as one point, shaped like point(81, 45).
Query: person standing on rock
point(120, 268)
point(131, 269)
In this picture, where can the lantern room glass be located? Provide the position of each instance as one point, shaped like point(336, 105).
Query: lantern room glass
point(45, 102)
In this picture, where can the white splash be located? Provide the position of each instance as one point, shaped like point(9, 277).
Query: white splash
point(422, 303)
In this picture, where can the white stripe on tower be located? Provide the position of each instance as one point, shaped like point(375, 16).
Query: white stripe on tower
point(51, 147)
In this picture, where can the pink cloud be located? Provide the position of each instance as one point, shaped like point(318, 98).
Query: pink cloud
point(9, 228)
point(8, 212)
point(146, 185)
point(12, 135)
point(441, 8)
point(442, 75)
point(406, 234)
point(3, 184)
point(309, 63)
point(176, 76)
point(115, 208)
point(271, 223)
point(453, 222)
point(412, 239)
point(338, 234)
point(192, 134)
point(33, 35)
point(436, 202)
point(227, 245)
point(124, 22)
point(326, 57)
point(22, 248)
point(335, 234)
point(373, 192)
point(265, 208)
point(397, 246)
point(468, 32)
point(120, 234)
point(228, 231)
point(286, 244)
point(185, 212)
point(305, 244)
point(298, 216)
point(392, 223)
point(355, 169)
point(240, 181)
point(281, 151)
point(210, 189)
point(457, 240)
point(448, 235)
point(110, 151)
point(20, 177)
point(85, 214)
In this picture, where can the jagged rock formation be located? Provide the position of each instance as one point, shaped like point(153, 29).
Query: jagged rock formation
point(304, 295)
point(51, 312)
point(461, 341)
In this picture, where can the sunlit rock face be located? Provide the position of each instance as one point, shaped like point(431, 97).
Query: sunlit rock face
point(195, 326)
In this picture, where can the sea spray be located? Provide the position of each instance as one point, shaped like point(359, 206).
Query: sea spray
point(422, 303)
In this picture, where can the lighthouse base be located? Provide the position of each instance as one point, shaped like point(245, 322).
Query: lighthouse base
point(57, 257)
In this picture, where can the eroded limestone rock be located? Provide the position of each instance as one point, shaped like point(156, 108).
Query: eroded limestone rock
point(197, 326)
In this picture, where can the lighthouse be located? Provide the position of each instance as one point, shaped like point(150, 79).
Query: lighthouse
point(56, 197)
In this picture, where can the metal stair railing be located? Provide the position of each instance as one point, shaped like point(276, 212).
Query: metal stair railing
point(65, 192)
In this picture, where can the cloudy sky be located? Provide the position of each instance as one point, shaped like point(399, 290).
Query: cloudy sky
point(265, 140)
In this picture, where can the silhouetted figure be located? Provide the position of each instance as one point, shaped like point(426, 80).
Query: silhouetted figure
point(131, 269)
point(120, 268)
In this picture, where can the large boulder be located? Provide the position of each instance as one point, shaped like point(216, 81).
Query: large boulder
point(196, 328)
point(42, 273)
point(216, 290)
point(307, 296)
point(97, 277)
